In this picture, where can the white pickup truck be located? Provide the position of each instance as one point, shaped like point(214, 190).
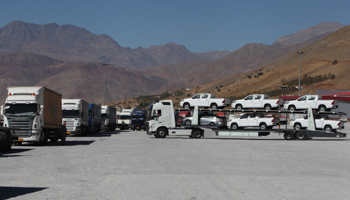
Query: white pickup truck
point(256, 101)
point(252, 120)
point(322, 122)
point(312, 101)
point(205, 100)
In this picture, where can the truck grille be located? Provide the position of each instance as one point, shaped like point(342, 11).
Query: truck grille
point(70, 126)
point(24, 126)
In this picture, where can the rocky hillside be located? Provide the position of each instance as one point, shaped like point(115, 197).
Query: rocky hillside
point(74, 44)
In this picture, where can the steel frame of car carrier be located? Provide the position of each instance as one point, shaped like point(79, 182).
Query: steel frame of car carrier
point(289, 134)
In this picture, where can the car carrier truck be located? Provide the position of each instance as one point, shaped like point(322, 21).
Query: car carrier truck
point(35, 112)
point(162, 124)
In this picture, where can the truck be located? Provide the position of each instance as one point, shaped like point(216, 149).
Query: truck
point(260, 120)
point(94, 118)
point(322, 122)
point(259, 101)
point(75, 112)
point(206, 101)
point(162, 124)
point(311, 101)
point(108, 117)
point(138, 119)
point(124, 119)
point(5, 139)
point(35, 113)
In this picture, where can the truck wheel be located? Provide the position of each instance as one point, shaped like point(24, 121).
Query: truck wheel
point(3, 140)
point(196, 133)
point(162, 132)
point(263, 126)
point(188, 123)
point(297, 127)
point(187, 106)
point(328, 129)
point(267, 107)
point(234, 126)
point(301, 135)
point(289, 135)
point(322, 109)
point(9, 142)
point(55, 137)
point(291, 108)
point(43, 138)
point(214, 106)
point(239, 107)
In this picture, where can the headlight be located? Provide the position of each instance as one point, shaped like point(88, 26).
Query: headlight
point(182, 100)
point(234, 101)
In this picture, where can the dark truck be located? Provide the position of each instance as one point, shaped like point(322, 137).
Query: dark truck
point(138, 119)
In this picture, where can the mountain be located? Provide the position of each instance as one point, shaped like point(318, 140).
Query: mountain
point(317, 61)
point(74, 44)
point(322, 29)
point(249, 57)
point(74, 79)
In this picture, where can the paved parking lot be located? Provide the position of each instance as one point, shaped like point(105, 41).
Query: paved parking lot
point(133, 165)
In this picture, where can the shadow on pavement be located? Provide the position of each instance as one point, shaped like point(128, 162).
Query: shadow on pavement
point(10, 192)
point(11, 152)
point(71, 143)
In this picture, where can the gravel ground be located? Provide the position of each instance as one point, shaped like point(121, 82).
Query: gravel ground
point(133, 165)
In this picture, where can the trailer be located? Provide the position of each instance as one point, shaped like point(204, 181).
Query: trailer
point(162, 124)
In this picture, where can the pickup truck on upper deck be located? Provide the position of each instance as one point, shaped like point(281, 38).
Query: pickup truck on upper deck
point(205, 100)
point(313, 101)
point(256, 101)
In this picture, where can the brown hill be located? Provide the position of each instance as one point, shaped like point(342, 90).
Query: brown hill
point(75, 79)
point(247, 58)
point(318, 60)
point(74, 44)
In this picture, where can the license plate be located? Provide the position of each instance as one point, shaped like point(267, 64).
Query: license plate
point(68, 132)
point(137, 127)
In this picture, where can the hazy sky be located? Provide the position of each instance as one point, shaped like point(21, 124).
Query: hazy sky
point(199, 25)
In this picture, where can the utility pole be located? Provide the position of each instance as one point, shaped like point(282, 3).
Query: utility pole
point(299, 52)
point(104, 91)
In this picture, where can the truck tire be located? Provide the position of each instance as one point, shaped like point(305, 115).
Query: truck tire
point(297, 127)
point(301, 135)
point(162, 132)
point(328, 129)
point(234, 126)
point(55, 137)
point(9, 142)
point(263, 126)
point(291, 108)
point(239, 107)
point(187, 106)
point(289, 135)
point(213, 106)
point(322, 108)
point(43, 138)
point(196, 133)
point(188, 122)
point(268, 107)
point(3, 140)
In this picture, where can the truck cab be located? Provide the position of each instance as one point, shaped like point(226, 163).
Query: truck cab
point(138, 119)
point(75, 112)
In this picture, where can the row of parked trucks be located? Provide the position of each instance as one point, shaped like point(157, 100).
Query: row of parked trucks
point(36, 114)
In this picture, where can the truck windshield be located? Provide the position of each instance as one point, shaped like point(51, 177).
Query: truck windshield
point(20, 109)
point(104, 116)
point(138, 117)
point(125, 117)
point(70, 113)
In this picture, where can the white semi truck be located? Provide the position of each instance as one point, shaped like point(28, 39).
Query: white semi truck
point(124, 119)
point(35, 113)
point(108, 118)
point(75, 112)
point(162, 124)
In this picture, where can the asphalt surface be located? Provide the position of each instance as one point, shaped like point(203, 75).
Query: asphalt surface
point(133, 165)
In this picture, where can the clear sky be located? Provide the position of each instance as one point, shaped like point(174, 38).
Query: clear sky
point(199, 25)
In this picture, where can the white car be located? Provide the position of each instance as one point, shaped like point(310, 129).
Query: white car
point(252, 120)
point(322, 122)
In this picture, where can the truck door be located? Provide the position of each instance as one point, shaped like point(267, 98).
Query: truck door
point(311, 102)
point(248, 101)
point(257, 101)
point(204, 100)
point(244, 120)
point(252, 120)
point(196, 99)
point(302, 102)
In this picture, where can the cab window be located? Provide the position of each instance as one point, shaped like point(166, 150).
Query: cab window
point(196, 96)
point(257, 96)
point(204, 96)
point(249, 97)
